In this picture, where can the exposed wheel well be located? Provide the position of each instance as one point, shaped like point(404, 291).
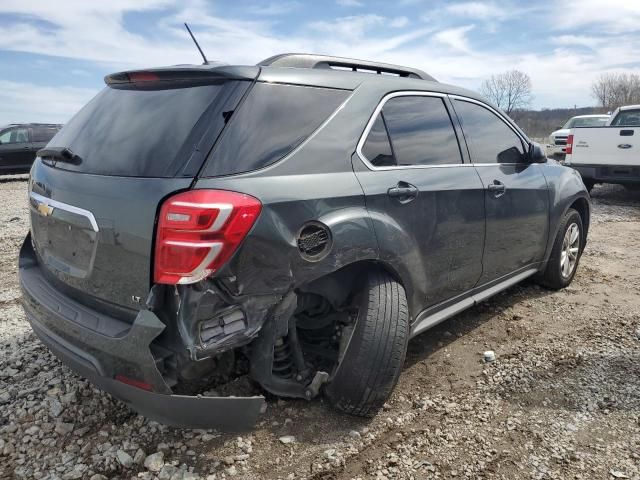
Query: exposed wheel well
point(332, 286)
point(582, 207)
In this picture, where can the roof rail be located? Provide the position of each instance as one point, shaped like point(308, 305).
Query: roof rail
point(307, 60)
point(34, 123)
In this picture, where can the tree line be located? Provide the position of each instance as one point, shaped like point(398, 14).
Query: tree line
point(612, 90)
point(511, 91)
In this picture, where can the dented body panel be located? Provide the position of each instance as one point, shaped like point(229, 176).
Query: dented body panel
point(325, 217)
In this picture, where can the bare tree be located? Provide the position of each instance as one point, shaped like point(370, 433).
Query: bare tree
point(509, 90)
point(613, 90)
point(601, 88)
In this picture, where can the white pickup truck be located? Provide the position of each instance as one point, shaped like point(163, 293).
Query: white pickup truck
point(608, 154)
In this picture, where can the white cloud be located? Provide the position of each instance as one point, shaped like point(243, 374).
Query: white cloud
point(349, 3)
point(399, 22)
point(276, 8)
point(613, 16)
point(23, 102)
point(455, 38)
point(578, 40)
point(95, 32)
point(477, 10)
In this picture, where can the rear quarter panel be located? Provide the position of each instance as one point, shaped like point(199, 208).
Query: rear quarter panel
point(314, 183)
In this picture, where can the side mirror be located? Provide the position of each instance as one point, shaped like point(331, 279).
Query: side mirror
point(559, 127)
point(536, 153)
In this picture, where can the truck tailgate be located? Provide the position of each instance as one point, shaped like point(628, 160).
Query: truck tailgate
point(605, 146)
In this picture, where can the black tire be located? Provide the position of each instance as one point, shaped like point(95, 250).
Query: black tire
point(552, 277)
point(375, 354)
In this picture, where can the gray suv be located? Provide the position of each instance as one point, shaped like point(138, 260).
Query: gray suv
point(297, 221)
point(19, 143)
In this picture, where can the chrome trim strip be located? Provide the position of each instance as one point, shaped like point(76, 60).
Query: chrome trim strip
point(491, 109)
point(41, 200)
point(365, 134)
point(414, 93)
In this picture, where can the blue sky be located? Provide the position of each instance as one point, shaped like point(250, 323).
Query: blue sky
point(54, 54)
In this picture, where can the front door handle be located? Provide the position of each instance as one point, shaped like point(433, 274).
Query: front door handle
point(403, 192)
point(497, 188)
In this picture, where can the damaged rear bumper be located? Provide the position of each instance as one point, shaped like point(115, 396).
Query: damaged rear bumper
point(106, 350)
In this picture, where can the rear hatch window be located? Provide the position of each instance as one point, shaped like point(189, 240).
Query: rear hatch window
point(132, 132)
point(272, 121)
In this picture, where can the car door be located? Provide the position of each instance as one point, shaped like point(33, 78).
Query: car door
point(516, 193)
point(15, 150)
point(425, 202)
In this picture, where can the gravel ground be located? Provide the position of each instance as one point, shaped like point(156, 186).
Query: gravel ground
point(562, 399)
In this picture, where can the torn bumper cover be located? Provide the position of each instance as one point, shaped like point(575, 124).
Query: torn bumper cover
point(102, 348)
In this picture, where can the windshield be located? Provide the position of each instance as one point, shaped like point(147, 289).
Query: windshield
point(139, 133)
point(586, 122)
point(627, 118)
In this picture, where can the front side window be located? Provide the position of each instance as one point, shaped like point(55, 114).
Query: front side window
point(412, 130)
point(15, 135)
point(489, 138)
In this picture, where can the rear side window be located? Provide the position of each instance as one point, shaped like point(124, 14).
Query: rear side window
point(144, 133)
point(489, 138)
point(272, 121)
point(420, 130)
point(627, 118)
point(43, 134)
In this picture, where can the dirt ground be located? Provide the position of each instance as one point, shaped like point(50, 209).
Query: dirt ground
point(562, 400)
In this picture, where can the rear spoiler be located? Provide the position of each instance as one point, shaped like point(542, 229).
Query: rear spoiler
point(191, 74)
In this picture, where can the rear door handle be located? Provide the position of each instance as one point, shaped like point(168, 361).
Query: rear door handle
point(404, 192)
point(497, 188)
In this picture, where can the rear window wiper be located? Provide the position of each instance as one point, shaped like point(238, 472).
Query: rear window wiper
point(59, 154)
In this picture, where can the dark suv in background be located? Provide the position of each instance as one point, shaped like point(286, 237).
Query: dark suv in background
point(19, 143)
point(303, 217)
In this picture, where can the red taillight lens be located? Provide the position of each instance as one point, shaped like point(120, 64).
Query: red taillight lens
point(198, 231)
point(569, 148)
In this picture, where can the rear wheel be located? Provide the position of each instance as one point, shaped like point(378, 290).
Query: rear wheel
point(372, 361)
point(566, 252)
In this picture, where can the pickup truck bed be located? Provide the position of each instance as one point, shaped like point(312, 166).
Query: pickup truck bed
point(609, 154)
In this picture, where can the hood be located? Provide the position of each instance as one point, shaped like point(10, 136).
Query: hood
point(561, 132)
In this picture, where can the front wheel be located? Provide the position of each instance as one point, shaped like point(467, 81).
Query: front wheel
point(566, 252)
point(375, 353)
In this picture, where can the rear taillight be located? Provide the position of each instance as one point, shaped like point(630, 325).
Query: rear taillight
point(569, 148)
point(198, 231)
